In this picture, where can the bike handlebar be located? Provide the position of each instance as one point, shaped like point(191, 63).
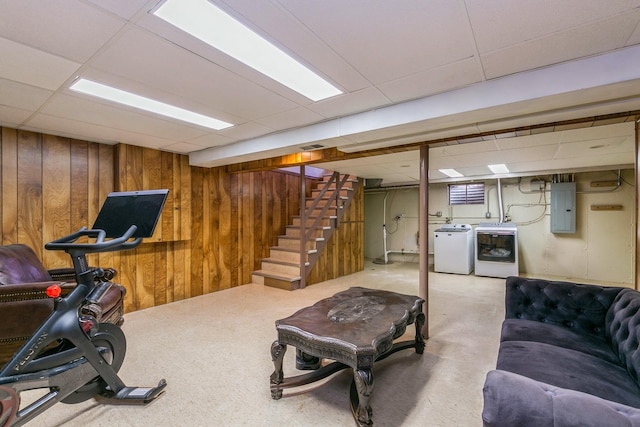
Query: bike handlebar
point(68, 243)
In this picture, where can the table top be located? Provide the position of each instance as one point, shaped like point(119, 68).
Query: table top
point(350, 324)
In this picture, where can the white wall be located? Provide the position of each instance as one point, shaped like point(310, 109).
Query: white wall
point(601, 250)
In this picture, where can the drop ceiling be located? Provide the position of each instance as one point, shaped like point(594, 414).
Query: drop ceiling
point(410, 71)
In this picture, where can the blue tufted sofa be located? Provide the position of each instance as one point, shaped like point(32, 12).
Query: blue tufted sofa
point(568, 356)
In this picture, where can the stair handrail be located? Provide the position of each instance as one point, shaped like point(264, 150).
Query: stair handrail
point(306, 233)
point(309, 233)
point(303, 222)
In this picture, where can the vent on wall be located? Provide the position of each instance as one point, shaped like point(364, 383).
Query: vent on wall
point(311, 147)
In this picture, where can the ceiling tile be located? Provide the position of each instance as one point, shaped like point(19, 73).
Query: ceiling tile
point(289, 119)
point(527, 154)
point(350, 103)
point(67, 28)
point(13, 117)
point(561, 46)
point(210, 140)
point(536, 140)
point(502, 23)
point(450, 76)
point(125, 9)
point(392, 39)
point(624, 130)
point(24, 64)
point(22, 96)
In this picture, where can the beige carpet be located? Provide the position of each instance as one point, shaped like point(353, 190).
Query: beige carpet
point(214, 352)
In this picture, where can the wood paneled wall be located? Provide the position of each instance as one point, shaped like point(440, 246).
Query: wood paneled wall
point(51, 186)
point(215, 227)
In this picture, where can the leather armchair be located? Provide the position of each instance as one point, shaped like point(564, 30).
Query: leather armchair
point(24, 304)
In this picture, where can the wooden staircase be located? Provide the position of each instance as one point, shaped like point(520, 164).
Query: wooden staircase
point(291, 261)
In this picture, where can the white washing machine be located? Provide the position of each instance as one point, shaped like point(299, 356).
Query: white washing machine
point(453, 249)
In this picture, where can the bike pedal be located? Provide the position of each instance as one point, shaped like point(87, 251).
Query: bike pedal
point(132, 395)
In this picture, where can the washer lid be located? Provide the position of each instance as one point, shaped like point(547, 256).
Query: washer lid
point(455, 228)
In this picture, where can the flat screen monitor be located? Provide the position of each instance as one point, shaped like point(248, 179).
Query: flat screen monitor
point(123, 209)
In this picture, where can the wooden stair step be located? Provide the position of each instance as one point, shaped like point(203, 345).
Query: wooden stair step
point(280, 281)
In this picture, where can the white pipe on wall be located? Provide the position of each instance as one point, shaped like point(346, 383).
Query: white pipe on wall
point(500, 208)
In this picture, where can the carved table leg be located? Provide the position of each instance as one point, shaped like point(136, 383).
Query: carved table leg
point(363, 379)
point(277, 355)
point(420, 319)
point(305, 361)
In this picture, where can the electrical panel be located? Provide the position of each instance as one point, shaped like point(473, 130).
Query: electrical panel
point(563, 207)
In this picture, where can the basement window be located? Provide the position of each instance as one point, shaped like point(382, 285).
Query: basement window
point(466, 194)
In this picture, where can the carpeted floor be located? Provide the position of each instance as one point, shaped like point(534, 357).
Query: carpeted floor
point(214, 352)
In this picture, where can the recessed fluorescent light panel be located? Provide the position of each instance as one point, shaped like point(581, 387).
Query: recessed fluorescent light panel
point(501, 168)
point(451, 173)
point(132, 100)
point(207, 22)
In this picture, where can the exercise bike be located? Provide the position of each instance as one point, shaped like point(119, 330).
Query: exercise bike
point(72, 357)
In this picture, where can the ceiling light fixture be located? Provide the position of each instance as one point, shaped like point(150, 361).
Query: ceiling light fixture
point(451, 173)
point(500, 168)
point(132, 100)
point(213, 26)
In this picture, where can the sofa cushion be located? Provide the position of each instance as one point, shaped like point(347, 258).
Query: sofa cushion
point(569, 369)
point(511, 400)
point(19, 264)
point(623, 326)
point(531, 330)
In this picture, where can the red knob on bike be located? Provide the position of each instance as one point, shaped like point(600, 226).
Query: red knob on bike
point(54, 291)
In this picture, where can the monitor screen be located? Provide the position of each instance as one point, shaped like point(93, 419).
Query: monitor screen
point(121, 210)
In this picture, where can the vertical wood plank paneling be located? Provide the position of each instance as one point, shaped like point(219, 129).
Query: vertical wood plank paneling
point(197, 243)
point(9, 186)
point(236, 232)
point(102, 166)
point(79, 185)
point(156, 288)
point(167, 220)
point(30, 190)
point(248, 226)
point(225, 230)
point(160, 273)
point(179, 273)
point(186, 209)
point(145, 284)
point(259, 230)
point(152, 180)
point(57, 197)
point(206, 233)
point(214, 219)
point(171, 271)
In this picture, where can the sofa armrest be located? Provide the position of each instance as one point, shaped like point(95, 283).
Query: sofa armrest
point(514, 400)
point(577, 306)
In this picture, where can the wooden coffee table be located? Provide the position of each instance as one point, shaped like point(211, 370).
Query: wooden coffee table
point(354, 329)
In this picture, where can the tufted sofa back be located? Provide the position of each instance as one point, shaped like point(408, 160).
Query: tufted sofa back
point(623, 329)
point(579, 307)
